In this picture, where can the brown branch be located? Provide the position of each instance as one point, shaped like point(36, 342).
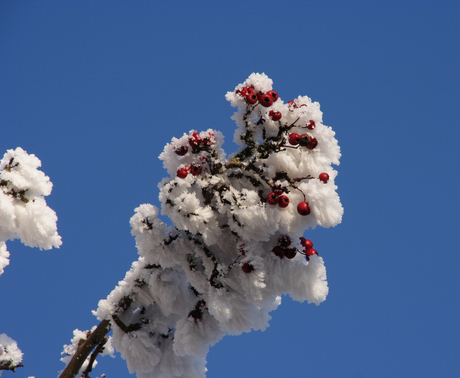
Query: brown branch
point(95, 338)
point(99, 349)
point(7, 365)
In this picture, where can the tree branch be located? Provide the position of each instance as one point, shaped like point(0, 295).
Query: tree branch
point(84, 350)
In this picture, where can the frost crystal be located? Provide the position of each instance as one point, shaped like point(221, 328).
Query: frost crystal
point(236, 244)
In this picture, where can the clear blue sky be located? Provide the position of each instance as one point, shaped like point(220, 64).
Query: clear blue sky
point(95, 90)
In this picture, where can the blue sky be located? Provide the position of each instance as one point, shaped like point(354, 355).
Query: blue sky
point(96, 89)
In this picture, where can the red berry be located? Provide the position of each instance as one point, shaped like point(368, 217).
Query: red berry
point(182, 173)
point(272, 198)
point(195, 140)
point(284, 241)
point(273, 94)
point(247, 268)
point(304, 140)
point(195, 170)
point(242, 92)
point(294, 139)
point(250, 89)
point(311, 125)
point(306, 243)
point(311, 252)
point(181, 151)
point(278, 251)
point(251, 98)
point(274, 115)
point(266, 100)
point(313, 143)
point(291, 106)
point(290, 253)
point(324, 177)
point(283, 201)
point(303, 208)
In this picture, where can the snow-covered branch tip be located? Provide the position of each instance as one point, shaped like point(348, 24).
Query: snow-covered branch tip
point(236, 244)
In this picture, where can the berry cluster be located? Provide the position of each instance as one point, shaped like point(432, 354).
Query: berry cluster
point(308, 248)
point(253, 97)
point(196, 143)
point(194, 169)
point(284, 250)
point(303, 140)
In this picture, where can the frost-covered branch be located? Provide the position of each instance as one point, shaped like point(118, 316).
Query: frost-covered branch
point(81, 354)
point(236, 244)
point(24, 215)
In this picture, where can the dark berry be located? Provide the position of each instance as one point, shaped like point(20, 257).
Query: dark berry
point(247, 268)
point(290, 253)
point(278, 251)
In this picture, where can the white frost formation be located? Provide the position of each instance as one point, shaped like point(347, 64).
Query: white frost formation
point(24, 215)
point(220, 269)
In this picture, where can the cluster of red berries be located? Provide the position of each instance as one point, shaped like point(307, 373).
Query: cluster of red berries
point(303, 140)
point(278, 198)
point(282, 249)
point(197, 143)
point(308, 248)
point(252, 96)
point(194, 169)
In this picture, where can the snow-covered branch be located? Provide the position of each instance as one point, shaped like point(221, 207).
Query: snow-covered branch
point(24, 215)
point(236, 244)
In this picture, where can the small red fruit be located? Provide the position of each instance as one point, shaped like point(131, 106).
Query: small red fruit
point(181, 151)
point(303, 208)
point(294, 139)
point(251, 98)
point(311, 125)
point(274, 115)
point(266, 100)
point(272, 198)
point(290, 253)
point(324, 177)
point(304, 140)
point(283, 201)
point(313, 143)
point(291, 106)
point(273, 95)
point(195, 140)
point(306, 243)
point(182, 173)
point(247, 268)
point(278, 251)
point(195, 170)
point(311, 252)
point(242, 92)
